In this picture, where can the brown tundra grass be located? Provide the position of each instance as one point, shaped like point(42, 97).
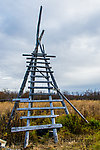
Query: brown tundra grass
point(89, 108)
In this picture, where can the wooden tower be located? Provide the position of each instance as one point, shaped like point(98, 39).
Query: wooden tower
point(40, 76)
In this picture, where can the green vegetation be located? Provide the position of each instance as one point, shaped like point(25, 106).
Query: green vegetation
point(75, 133)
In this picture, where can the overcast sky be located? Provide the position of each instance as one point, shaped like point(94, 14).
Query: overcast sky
point(72, 33)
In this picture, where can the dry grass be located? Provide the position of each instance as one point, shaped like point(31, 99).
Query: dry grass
point(88, 108)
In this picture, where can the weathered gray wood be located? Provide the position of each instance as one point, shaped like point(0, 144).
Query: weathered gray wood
point(40, 81)
point(39, 76)
point(32, 66)
point(34, 101)
point(41, 71)
point(39, 108)
point(36, 117)
point(38, 58)
point(38, 127)
point(39, 54)
point(52, 113)
point(43, 94)
point(39, 62)
point(19, 99)
point(41, 87)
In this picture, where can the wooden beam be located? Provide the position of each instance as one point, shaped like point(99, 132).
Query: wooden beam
point(36, 117)
point(41, 87)
point(36, 101)
point(38, 127)
point(39, 108)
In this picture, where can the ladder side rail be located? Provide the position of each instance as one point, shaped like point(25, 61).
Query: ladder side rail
point(38, 26)
point(53, 79)
point(28, 115)
point(32, 90)
point(52, 111)
point(33, 79)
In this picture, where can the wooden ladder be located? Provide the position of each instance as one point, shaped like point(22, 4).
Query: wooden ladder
point(41, 78)
point(40, 73)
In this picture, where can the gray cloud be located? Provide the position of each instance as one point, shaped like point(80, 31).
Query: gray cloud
point(72, 33)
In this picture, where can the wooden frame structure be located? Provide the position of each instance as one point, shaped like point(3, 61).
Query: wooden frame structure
point(39, 71)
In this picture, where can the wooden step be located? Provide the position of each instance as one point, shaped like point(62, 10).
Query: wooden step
point(20, 99)
point(38, 58)
point(39, 54)
point(40, 108)
point(42, 55)
point(41, 87)
point(39, 66)
point(41, 71)
point(38, 62)
point(38, 127)
point(40, 81)
point(39, 76)
point(36, 117)
point(42, 94)
point(33, 101)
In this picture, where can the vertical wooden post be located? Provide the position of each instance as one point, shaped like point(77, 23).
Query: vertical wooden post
point(28, 120)
point(52, 112)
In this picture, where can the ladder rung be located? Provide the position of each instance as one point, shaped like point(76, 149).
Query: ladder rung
point(33, 101)
point(41, 71)
point(36, 117)
point(39, 108)
point(40, 81)
point(39, 76)
point(29, 128)
point(39, 54)
point(38, 62)
point(38, 58)
point(39, 66)
point(42, 94)
point(19, 99)
point(40, 87)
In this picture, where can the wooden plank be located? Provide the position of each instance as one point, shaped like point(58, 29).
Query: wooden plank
point(36, 117)
point(43, 94)
point(40, 71)
point(39, 108)
point(40, 81)
point(41, 87)
point(18, 99)
point(39, 62)
point(34, 101)
point(39, 66)
point(39, 76)
point(38, 58)
point(38, 127)
point(39, 54)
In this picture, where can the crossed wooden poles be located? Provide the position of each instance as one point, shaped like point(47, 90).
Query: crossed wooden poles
point(53, 83)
